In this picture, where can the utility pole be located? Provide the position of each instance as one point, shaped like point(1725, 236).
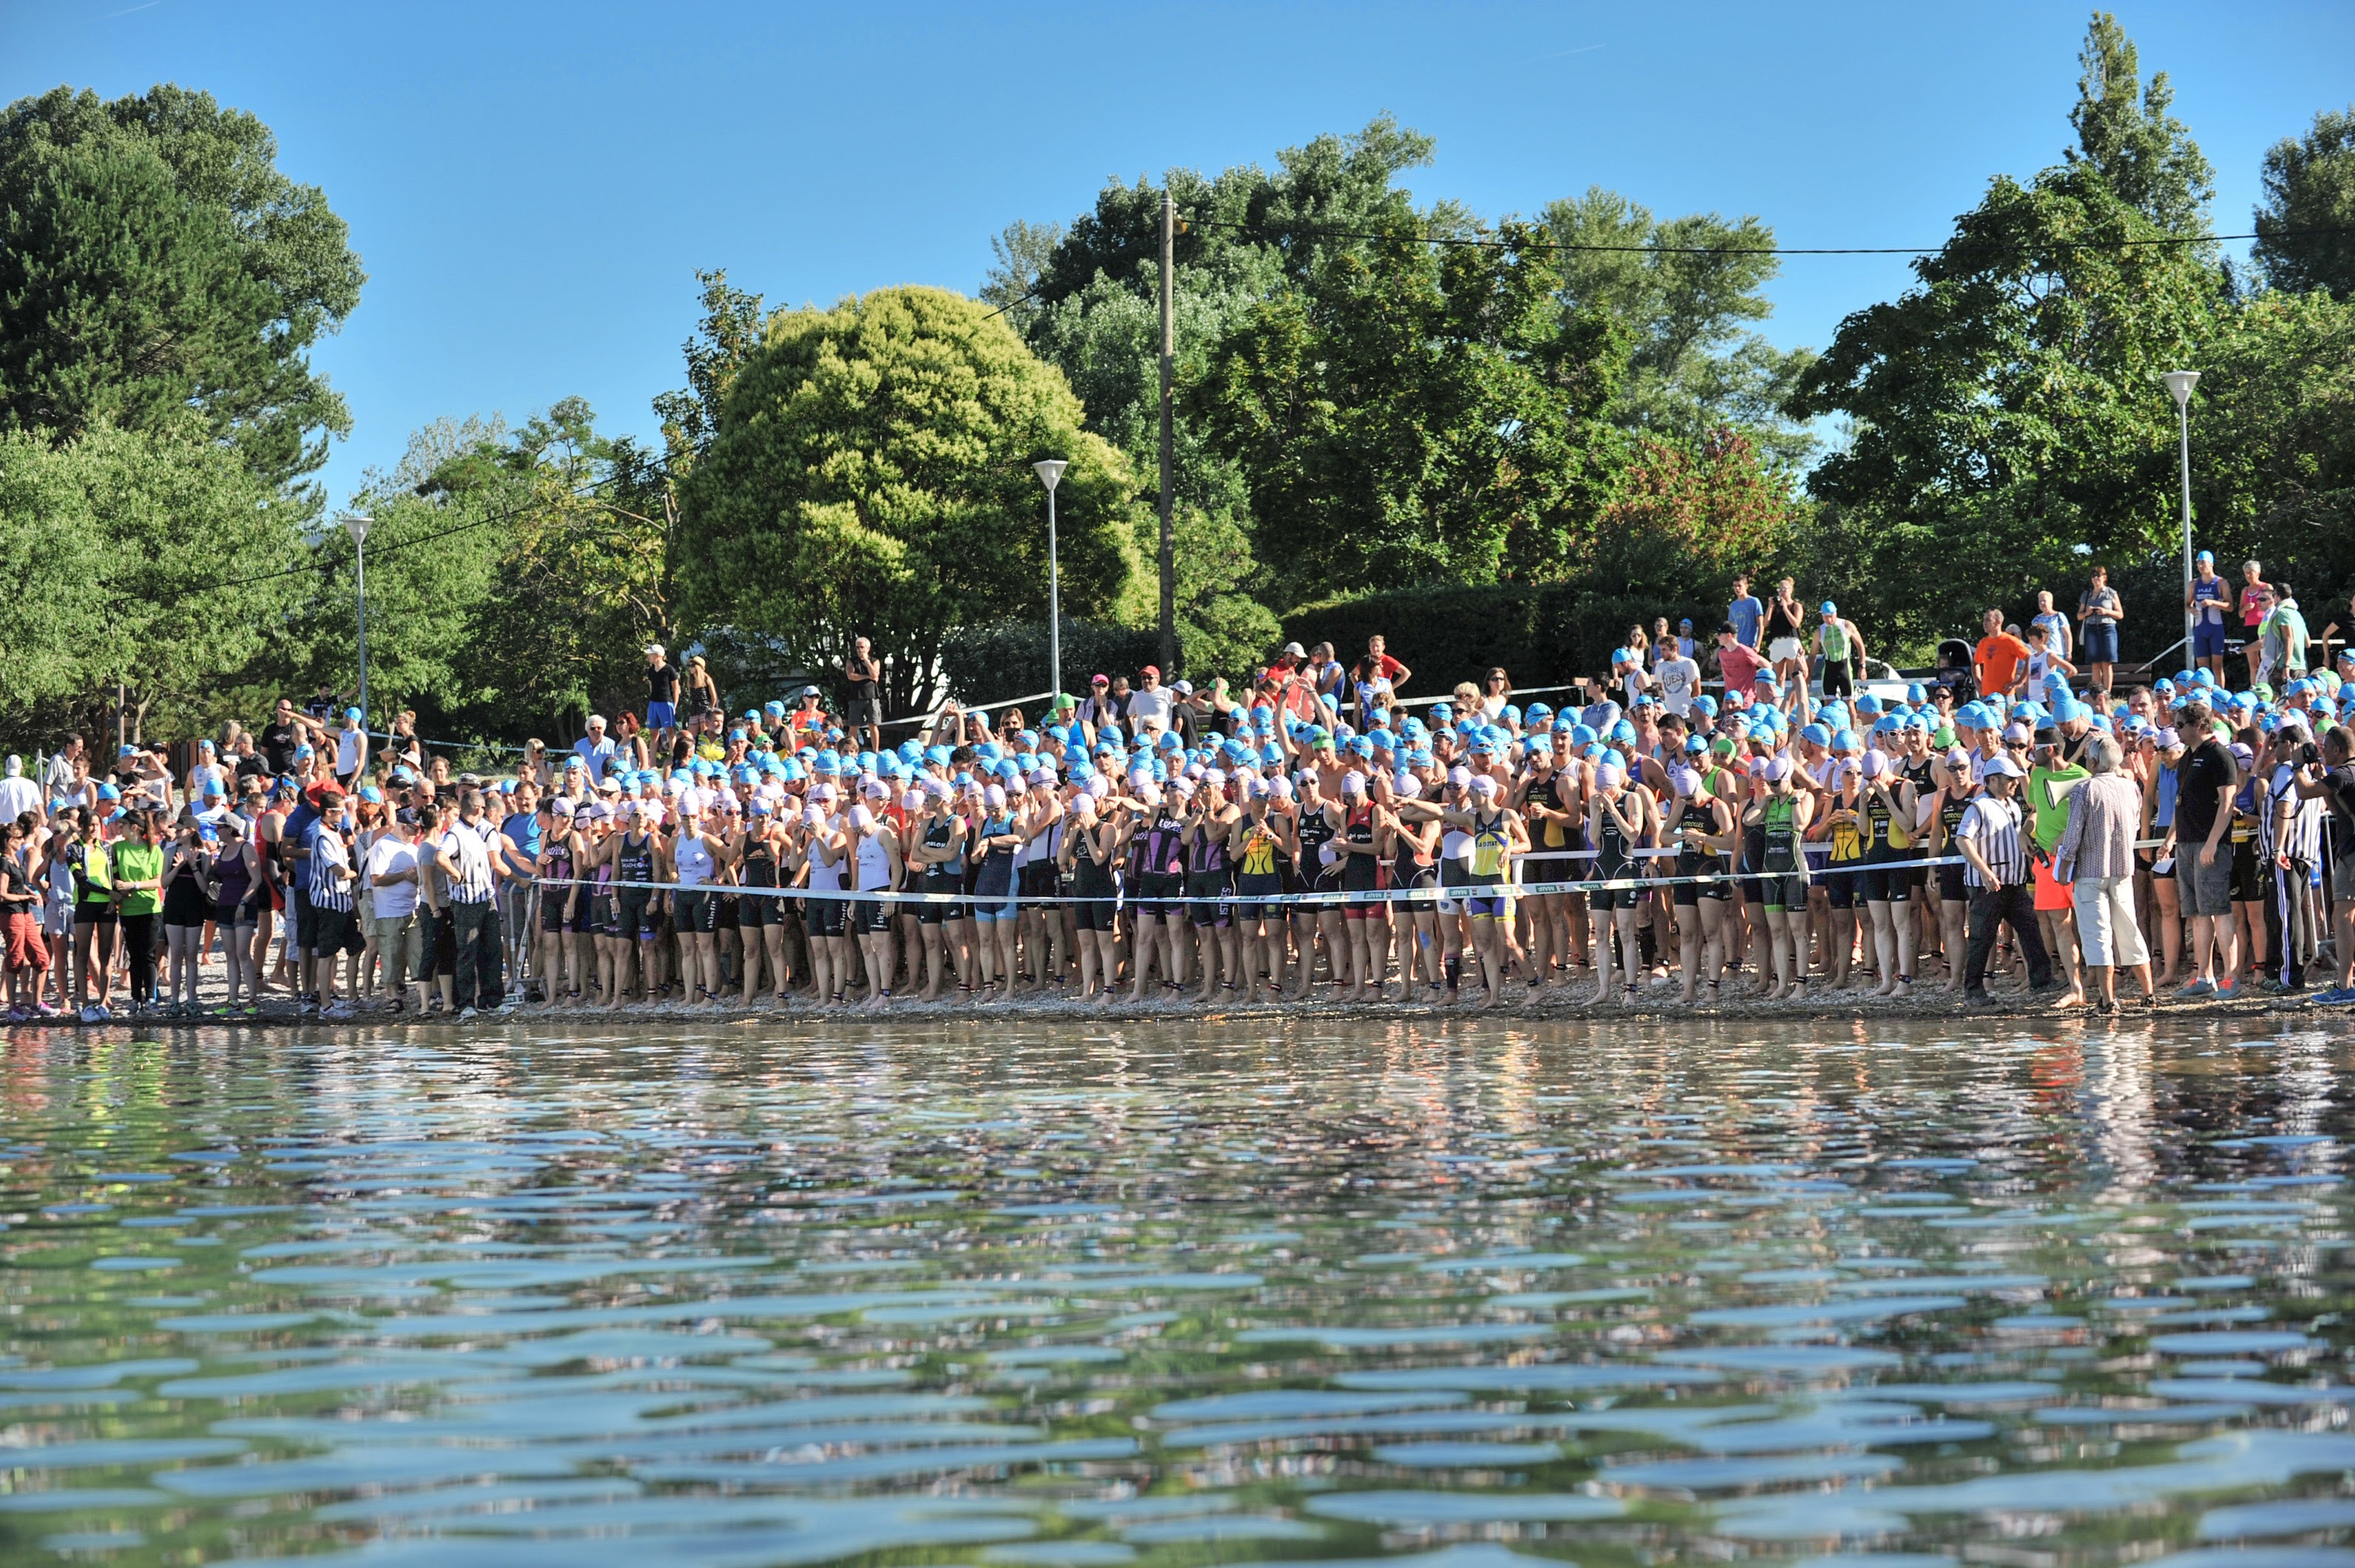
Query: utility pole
point(1168, 434)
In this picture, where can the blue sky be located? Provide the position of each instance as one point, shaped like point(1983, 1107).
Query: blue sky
point(532, 186)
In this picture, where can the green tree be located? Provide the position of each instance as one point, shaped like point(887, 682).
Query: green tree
point(156, 266)
point(2305, 225)
point(147, 563)
point(2005, 413)
point(871, 477)
point(2126, 136)
point(727, 334)
point(1418, 415)
point(1695, 366)
point(53, 567)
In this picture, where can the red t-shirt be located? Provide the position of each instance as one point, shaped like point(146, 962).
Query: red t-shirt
point(1386, 668)
point(1742, 664)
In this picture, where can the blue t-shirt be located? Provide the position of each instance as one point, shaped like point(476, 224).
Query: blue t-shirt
point(1745, 613)
point(522, 828)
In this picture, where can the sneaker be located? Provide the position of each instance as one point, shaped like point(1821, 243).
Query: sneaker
point(2197, 988)
point(466, 1013)
point(339, 1010)
point(2232, 992)
point(2336, 996)
point(509, 1006)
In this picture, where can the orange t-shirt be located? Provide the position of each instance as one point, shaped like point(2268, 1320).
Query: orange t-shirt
point(1998, 659)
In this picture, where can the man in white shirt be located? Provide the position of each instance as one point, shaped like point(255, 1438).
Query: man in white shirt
point(391, 871)
point(1149, 704)
point(1680, 682)
point(18, 795)
point(595, 749)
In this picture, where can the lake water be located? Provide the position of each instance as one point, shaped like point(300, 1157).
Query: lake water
point(1455, 1294)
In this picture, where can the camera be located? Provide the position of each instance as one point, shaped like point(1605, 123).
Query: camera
point(2309, 755)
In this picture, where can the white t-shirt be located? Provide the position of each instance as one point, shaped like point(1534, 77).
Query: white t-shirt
point(390, 857)
point(1680, 682)
point(1149, 711)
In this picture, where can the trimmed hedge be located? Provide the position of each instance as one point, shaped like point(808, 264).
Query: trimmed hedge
point(1542, 634)
point(988, 664)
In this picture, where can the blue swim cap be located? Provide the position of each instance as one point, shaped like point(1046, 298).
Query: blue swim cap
point(1817, 734)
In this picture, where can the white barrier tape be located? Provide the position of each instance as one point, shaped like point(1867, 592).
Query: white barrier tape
point(1229, 895)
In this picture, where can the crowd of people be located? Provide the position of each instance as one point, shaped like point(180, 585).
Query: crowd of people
point(1739, 815)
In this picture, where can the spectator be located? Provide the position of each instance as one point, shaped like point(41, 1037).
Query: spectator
point(1738, 662)
point(1998, 659)
point(2099, 611)
point(596, 750)
point(2256, 603)
point(2056, 625)
point(862, 680)
point(1148, 704)
point(2203, 861)
point(1745, 613)
point(2095, 860)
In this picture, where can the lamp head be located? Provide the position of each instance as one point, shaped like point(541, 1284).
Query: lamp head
point(357, 525)
point(2179, 383)
point(1050, 471)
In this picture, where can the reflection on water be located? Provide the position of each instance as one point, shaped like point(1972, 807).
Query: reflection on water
point(1471, 1293)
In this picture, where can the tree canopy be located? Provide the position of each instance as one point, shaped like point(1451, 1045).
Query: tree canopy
point(2305, 225)
point(156, 268)
point(871, 475)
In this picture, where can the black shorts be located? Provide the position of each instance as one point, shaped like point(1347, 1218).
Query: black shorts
point(335, 931)
point(630, 916)
point(936, 884)
point(1603, 900)
point(552, 909)
point(755, 909)
point(1157, 893)
point(93, 914)
point(1839, 882)
point(730, 916)
point(1206, 896)
point(1951, 889)
point(2248, 884)
point(1784, 889)
point(306, 930)
point(1688, 893)
point(695, 911)
point(1093, 913)
point(1252, 891)
point(1037, 885)
point(588, 917)
point(870, 917)
point(1422, 885)
point(1838, 680)
point(827, 917)
point(1886, 881)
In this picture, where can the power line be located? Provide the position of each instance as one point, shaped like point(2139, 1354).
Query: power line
point(1653, 250)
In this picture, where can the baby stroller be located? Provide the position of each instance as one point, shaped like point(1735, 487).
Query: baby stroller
point(1954, 671)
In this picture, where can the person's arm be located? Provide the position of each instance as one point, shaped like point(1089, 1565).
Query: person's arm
point(1967, 840)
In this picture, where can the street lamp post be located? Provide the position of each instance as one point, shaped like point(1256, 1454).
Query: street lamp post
point(357, 525)
point(2179, 383)
point(1048, 472)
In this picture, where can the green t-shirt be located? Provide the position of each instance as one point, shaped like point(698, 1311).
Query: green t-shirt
point(1835, 637)
point(137, 862)
point(2048, 805)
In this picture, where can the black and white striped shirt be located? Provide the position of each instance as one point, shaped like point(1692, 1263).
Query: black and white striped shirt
point(2293, 827)
point(331, 871)
point(1994, 825)
point(464, 847)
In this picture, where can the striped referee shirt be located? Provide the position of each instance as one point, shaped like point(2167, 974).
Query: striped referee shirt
point(1994, 825)
point(331, 870)
point(2294, 827)
point(471, 884)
